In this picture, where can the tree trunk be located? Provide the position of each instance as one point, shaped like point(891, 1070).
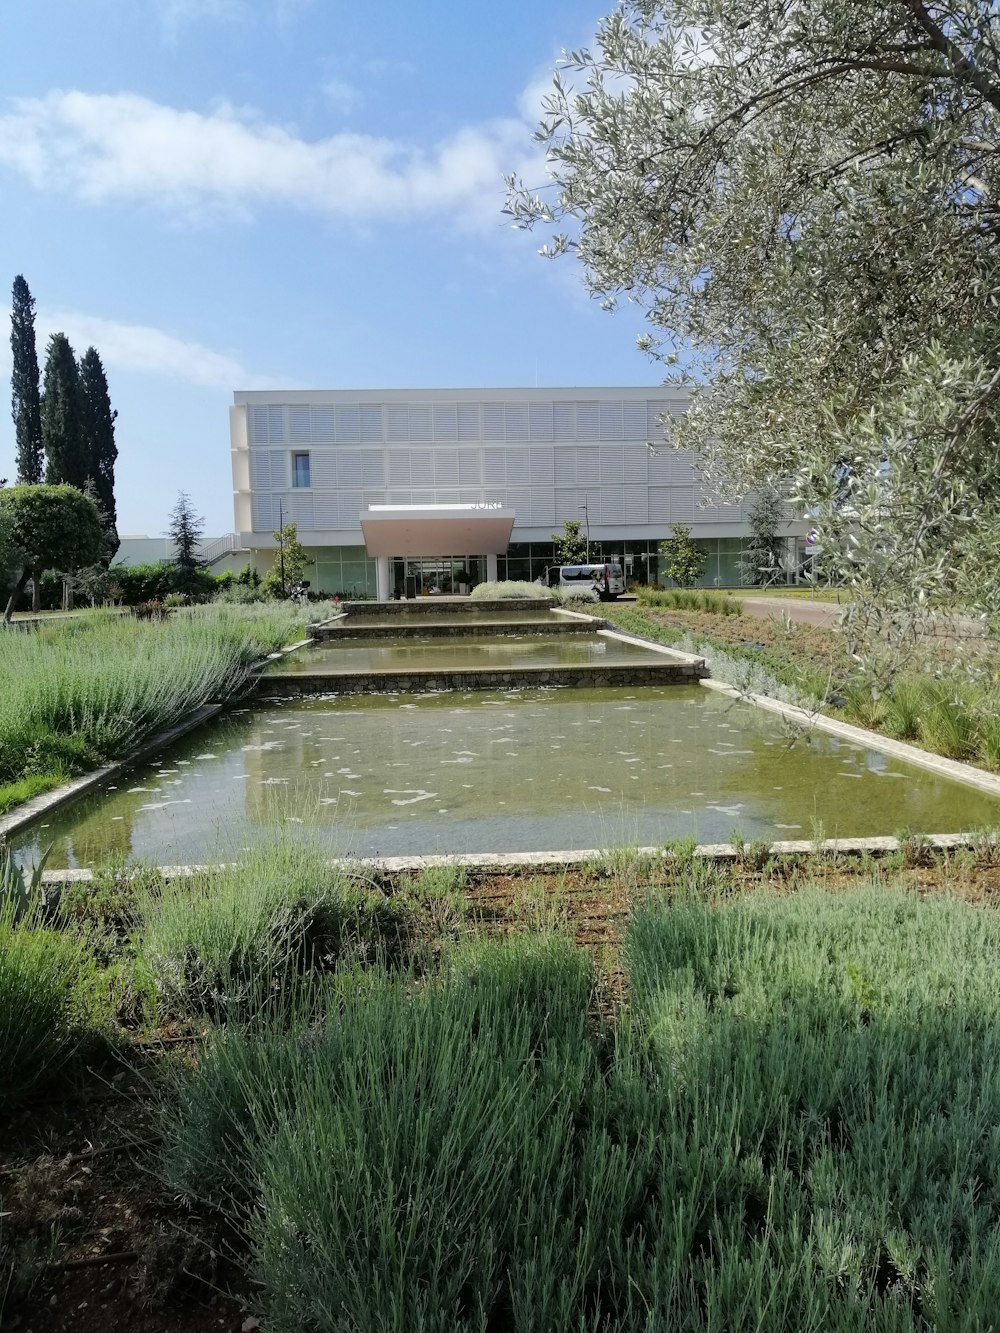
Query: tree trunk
point(19, 587)
point(36, 590)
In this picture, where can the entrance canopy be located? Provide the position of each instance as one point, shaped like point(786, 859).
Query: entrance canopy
point(446, 529)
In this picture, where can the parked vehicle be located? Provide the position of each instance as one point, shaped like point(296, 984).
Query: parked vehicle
point(607, 579)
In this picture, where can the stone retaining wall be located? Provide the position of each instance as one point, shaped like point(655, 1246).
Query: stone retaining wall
point(344, 629)
point(403, 682)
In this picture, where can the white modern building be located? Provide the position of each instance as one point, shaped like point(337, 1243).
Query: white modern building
point(447, 487)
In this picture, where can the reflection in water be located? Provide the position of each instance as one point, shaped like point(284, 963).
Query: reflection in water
point(519, 770)
point(447, 654)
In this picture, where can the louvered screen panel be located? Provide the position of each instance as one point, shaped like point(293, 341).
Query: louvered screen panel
point(542, 468)
point(372, 467)
point(588, 465)
point(471, 495)
point(298, 508)
point(299, 425)
point(281, 464)
point(610, 416)
point(348, 424)
point(257, 425)
point(588, 421)
point(371, 422)
point(397, 498)
point(349, 507)
point(681, 467)
point(564, 421)
point(421, 467)
point(420, 422)
point(564, 461)
point(325, 512)
point(321, 425)
point(446, 421)
point(494, 422)
point(445, 467)
point(422, 496)
point(636, 504)
point(658, 464)
point(260, 469)
point(264, 513)
point(469, 422)
point(543, 505)
point(568, 503)
point(470, 466)
point(323, 468)
point(517, 467)
point(494, 467)
point(518, 498)
point(634, 421)
point(445, 497)
point(659, 505)
point(349, 471)
point(612, 504)
point(682, 504)
point(654, 410)
point(370, 498)
point(612, 465)
point(635, 460)
point(276, 425)
point(516, 422)
point(540, 422)
point(399, 467)
point(397, 423)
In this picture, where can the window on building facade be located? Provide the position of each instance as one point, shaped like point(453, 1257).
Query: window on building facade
point(300, 470)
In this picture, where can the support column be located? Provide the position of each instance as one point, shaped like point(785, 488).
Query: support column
point(491, 569)
point(382, 577)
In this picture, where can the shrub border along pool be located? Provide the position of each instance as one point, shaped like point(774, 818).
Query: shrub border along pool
point(23, 816)
point(538, 861)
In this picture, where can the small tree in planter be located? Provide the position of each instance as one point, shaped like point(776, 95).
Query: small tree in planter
point(681, 558)
point(760, 563)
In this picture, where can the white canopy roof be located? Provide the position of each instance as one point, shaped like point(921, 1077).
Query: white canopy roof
point(445, 529)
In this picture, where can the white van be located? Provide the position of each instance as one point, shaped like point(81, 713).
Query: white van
point(607, 580)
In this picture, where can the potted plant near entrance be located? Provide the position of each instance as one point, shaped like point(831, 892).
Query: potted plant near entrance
point(461, 581)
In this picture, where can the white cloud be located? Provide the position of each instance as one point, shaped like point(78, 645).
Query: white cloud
point(141, 349)
point(122, 147)
point(341, 95)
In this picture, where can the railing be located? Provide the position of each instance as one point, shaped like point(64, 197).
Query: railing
point(218, 549)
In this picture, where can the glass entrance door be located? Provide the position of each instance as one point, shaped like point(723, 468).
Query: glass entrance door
point(433, 576)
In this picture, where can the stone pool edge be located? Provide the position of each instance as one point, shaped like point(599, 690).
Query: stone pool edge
point(953, 769)
point(557, 860)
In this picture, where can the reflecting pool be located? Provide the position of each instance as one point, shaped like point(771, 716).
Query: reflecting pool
point(525, 770)
point(461, 653)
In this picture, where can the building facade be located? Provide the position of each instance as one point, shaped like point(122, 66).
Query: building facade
point(376, 480)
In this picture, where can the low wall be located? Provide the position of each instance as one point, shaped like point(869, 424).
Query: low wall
point(685, 672)
point(348, 628)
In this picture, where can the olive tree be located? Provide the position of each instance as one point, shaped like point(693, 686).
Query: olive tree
point(805, 197)
point(50, 527)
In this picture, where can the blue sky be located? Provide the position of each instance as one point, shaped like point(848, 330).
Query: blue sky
point(224, 194)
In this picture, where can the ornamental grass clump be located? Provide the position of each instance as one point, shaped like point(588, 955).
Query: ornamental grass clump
point(49, 1014)
point(219, 941)
point(82, 691)
point(509, 590)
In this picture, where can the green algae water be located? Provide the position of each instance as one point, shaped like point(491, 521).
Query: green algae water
point(461, 653)
point(526, 770)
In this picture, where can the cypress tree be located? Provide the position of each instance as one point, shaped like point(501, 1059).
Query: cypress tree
point(185, 528)
point(25, 400)
point(97, 428)
point(62, 437)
